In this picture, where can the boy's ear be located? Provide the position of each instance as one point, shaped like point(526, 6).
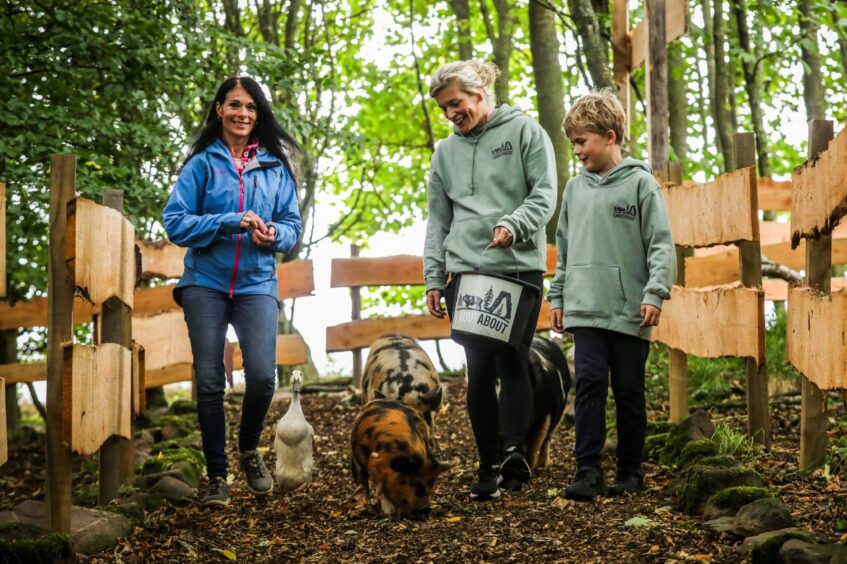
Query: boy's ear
point(611, 137)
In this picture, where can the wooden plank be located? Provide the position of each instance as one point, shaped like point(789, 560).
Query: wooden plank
point(676, 25)
point(2, 240)
point(161, 259)
point(60, 299)
point(164, 338)
point(713, 322)
point(383, 271)
point(139, 397)
point(101, 252)
point(721, 267)
point(777, 290)
point(97, 390)
point(33, 313)
point(716, 213)
point(360, 334)
point(22, 373)
point(820, 191)
point(4, 452)
point(290, 351)
point(159, 377)
point(774, 195)
point(816, 339)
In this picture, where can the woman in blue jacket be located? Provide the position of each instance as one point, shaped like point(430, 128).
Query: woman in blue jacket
point(234, 206)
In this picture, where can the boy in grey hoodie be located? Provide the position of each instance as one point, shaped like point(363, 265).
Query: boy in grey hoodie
point(616, 264)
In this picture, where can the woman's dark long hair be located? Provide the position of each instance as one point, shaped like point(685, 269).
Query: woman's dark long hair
point(270, 134)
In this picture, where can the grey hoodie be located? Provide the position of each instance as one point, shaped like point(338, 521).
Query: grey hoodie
point(501, 174)
point(615, 249)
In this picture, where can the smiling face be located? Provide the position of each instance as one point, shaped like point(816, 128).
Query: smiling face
point(466, 111)
point(595, 151)
point(238, 114)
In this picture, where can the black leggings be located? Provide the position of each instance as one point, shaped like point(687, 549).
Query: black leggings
point(489, 415)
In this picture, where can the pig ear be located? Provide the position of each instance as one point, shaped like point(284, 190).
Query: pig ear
point(378, 395)
point(410, 464)
point(443, 466)
point(433, 399)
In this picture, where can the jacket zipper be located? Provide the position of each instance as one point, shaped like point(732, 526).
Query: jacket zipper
point(238, 245)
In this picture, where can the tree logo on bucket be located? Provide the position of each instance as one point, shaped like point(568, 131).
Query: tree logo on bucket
point(486, 311)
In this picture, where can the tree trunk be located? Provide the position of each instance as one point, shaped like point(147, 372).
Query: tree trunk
point(657, 74)
point(813, 89)
point(677, 101)
point(462, 11)
point(752, 87)
point(267, 16)
point(594, 48)
point(544, 44)
point(723, 122)
point(232, 23)
point(501, 43)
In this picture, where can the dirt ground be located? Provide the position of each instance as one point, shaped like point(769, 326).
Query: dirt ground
point(316, 522)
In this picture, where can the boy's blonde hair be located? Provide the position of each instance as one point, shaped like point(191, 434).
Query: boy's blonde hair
point(474, 77)
point(597, 112)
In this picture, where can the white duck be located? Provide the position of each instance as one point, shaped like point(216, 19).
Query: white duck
point(293, 443)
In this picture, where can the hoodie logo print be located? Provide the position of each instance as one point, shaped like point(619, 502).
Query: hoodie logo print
point(504, 149)
point(624, 212)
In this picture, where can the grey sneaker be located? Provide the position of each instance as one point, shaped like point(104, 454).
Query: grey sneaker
point(215, 493)
point(259, 480)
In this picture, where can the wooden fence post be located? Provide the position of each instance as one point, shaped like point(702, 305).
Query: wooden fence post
point(750, 266)
point(819, 277)
point(60, 297)
point(677, 359)
point(115, 326)
point(356, 314)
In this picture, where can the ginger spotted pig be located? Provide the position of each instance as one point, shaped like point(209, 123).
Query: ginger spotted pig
point(391, 449)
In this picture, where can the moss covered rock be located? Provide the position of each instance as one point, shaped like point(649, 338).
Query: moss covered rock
point(30, 544)
point(185, 464)
point(719, 461)
point(658, 427)
point(767, 551)
point(131, 510)
point(654, 445)
point(702, 482)
point(183, 407)
point(696, 426)
point(696, 450)
point(738, 496)
point(175, 426)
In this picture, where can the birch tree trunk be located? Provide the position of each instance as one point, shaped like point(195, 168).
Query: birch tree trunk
point(544, 45)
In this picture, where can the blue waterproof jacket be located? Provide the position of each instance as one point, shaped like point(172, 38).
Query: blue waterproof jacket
point(204, 214)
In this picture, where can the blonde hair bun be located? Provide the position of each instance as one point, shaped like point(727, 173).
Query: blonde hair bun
point(473, 76)
point(487, 71)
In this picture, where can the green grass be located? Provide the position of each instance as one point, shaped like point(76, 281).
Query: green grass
point(739, 445)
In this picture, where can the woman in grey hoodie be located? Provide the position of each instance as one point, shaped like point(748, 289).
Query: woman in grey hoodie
point(492, 184)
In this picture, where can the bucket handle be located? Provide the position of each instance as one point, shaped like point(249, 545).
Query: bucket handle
point(511, 252)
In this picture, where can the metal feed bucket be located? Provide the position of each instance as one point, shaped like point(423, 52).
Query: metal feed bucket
point(491, 311)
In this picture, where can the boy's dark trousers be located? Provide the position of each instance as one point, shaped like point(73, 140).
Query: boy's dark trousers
point(596, 352)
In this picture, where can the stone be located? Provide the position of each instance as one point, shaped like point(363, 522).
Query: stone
point(171, 486)
point(181, 407)
point(840, 556)
point(654, 445)
point(728, 501)
point(719, 524)
point(796, 551)
point(92, 531)
point(696, 450)
point(697, 426)
point(147, 500)
point(766, 514)
point(748, 544)
point(144, 440)
point(22, 542)
point(139, 457)
point(702, 482)
point(610, 447)
point(132, 510)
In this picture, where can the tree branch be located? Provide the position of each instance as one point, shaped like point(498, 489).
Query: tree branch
point(774, 270)
point(427, 122)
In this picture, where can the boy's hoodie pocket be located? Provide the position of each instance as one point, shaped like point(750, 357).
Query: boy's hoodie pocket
point(594, 290)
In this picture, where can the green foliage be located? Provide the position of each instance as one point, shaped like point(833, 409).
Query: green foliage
point(836, 456)
point(704, 481)
point(768, 551)
point(654, 445)
point(696, 450)
point(739, 445)
point(775, 348)
point(27, 543)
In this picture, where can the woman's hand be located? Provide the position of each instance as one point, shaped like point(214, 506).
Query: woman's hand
point(433, 304)
point(252, 221)
point(502, 238)
point(264, 239)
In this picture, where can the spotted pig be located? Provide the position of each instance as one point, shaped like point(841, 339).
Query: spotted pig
point(551, 382)
point(398, 368)
point(390, 449)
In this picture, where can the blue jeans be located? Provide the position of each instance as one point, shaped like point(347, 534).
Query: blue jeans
point(254, 317)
